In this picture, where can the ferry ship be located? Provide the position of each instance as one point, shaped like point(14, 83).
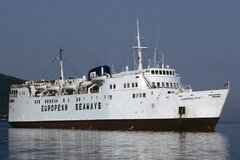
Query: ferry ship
point(148, 99)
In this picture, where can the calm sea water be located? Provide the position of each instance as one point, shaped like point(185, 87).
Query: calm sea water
point(82, 144)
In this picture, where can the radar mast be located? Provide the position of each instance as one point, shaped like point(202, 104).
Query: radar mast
point(61, 63)
point(139, 48)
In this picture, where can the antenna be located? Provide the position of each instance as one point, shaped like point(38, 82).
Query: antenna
point(113, 69)
point(162, 59)
point(155, 51)
point(139, 48)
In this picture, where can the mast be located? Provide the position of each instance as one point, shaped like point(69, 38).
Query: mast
point(155, 58)
point(61, 64)
point(155, 51)
point(162, 59)
point(139, 48)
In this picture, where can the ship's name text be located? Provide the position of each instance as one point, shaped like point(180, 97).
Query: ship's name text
point(191, 98)
point(56, 107)
point(88, 106)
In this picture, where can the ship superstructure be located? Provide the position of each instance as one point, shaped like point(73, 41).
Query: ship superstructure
point(151, 98)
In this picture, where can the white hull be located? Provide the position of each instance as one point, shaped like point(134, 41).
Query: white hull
point(157, 104)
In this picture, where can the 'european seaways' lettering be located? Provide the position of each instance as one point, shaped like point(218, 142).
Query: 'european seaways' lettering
point(88, 106)
point(56, 107)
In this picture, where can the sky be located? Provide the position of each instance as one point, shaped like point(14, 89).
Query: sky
point(200, 39)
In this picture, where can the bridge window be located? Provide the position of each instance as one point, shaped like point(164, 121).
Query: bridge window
point(152, 71)
point(160, 72)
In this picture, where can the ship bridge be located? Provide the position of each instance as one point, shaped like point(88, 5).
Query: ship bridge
point(162, 77)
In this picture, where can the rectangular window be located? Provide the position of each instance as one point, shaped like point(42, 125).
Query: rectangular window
point(124, 85)
point(163, 84)
point(136, 84)
point(156, 72)
point(152, 72)
point(110, 86)
point(133, 95)
point(137, 95)
point(158, 84)
point(153, 84)
point(144, 94)
point(160, 72)
point(114, 86)
point(132, 85)
point(128, 85)
point(167, 84)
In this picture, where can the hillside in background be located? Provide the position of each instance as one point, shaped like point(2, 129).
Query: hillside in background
point(5, 83)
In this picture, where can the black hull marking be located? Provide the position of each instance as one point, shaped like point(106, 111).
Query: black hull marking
point(193, 124)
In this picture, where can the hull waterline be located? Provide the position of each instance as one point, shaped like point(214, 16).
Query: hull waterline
point(196, 124)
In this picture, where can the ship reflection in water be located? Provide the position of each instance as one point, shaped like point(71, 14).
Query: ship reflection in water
point(79, 144)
